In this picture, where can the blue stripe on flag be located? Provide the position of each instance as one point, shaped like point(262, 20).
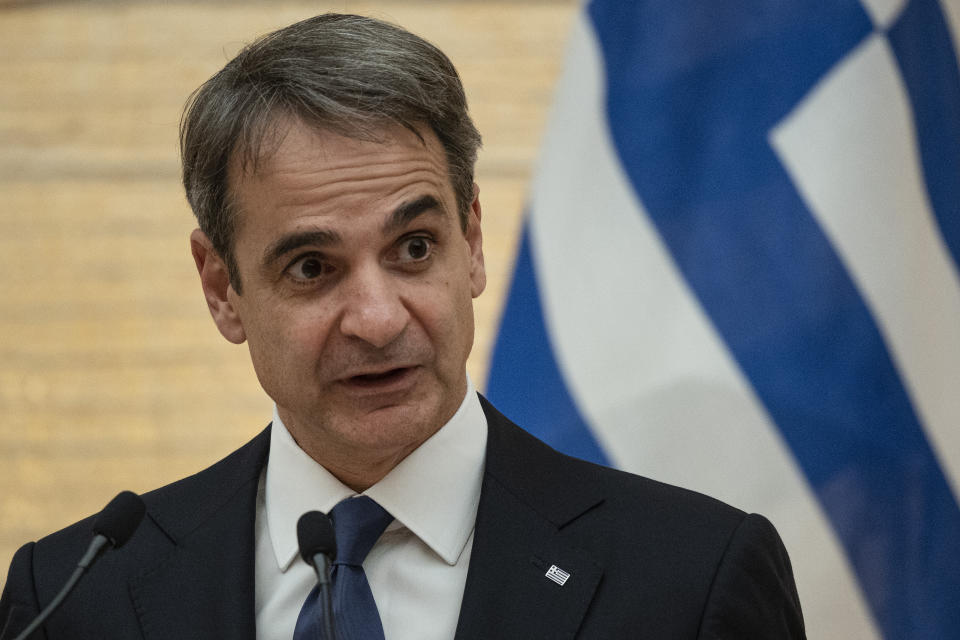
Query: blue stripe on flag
point(924, 51)
point(694, 88)
point(525, 382)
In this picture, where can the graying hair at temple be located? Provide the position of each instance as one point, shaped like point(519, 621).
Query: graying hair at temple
point(349, 74)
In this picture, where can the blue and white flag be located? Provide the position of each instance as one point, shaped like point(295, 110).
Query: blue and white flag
point(739, 274)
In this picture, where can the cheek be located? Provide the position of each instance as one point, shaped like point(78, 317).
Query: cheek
point(304, 335)
point(458, 321)
point(282, 338)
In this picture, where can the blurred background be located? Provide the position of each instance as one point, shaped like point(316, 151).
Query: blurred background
point(112, 374)
point(722, 244)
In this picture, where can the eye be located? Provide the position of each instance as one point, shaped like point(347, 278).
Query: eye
point(415, 249)
point(309, 267)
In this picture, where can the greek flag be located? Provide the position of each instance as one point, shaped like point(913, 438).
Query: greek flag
point(739, 273)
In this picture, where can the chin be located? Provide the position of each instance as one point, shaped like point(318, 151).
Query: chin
point(394, 426)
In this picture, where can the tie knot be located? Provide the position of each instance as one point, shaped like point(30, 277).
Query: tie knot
point(357, 524)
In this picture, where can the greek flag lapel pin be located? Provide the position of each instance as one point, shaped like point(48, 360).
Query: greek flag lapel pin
point(557, 574)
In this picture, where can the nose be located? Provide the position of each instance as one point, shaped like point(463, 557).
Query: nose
point(374, 311)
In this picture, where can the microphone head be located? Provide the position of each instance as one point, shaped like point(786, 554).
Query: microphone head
point(315, 535)
point(120, 518)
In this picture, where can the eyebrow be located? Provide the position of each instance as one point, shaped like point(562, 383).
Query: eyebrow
point(401, 217)
point(407, 212)
point(293, 241)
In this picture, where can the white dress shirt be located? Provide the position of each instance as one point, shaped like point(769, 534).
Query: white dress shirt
point(418, 568)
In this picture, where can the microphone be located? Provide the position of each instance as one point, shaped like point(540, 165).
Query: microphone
point(114, 526)
point(318, 547)
point(120, 518)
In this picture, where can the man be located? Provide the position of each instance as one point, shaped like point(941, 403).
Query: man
point(330, 166)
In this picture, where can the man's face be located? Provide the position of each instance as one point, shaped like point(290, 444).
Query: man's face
point(357, 282)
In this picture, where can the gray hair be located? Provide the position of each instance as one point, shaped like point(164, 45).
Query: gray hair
point(349, 74)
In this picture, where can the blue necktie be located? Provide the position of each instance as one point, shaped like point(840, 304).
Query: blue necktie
point(357, 524)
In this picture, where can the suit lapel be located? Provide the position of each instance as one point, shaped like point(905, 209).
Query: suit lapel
point(530, 493)
point(204, 587)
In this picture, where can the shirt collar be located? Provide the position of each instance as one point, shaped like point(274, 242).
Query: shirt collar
point(434, 491)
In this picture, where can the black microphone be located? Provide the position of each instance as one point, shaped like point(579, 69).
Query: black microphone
point(114, 526)
point(318, 547)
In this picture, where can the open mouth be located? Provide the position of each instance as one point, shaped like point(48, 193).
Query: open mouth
point(382, 378)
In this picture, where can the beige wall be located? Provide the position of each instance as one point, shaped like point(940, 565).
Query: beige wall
point(112, 375)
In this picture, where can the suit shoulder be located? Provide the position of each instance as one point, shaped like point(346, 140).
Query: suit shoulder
point(546, 477)
point(727, 569)
point(662, 500)
point(178, 501)
point(174, 506)
point(669, 556)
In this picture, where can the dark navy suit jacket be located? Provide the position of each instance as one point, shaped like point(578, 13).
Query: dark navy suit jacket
point(645, 559)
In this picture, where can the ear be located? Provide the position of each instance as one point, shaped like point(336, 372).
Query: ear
point(217, 290)
point(478, 272)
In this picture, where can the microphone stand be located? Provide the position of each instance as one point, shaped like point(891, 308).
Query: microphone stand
point(318, 548)
point(321, 564)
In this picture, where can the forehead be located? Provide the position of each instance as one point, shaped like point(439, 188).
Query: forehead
point(302, 165)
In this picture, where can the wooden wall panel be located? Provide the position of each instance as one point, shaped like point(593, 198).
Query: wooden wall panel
point(112, 375)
